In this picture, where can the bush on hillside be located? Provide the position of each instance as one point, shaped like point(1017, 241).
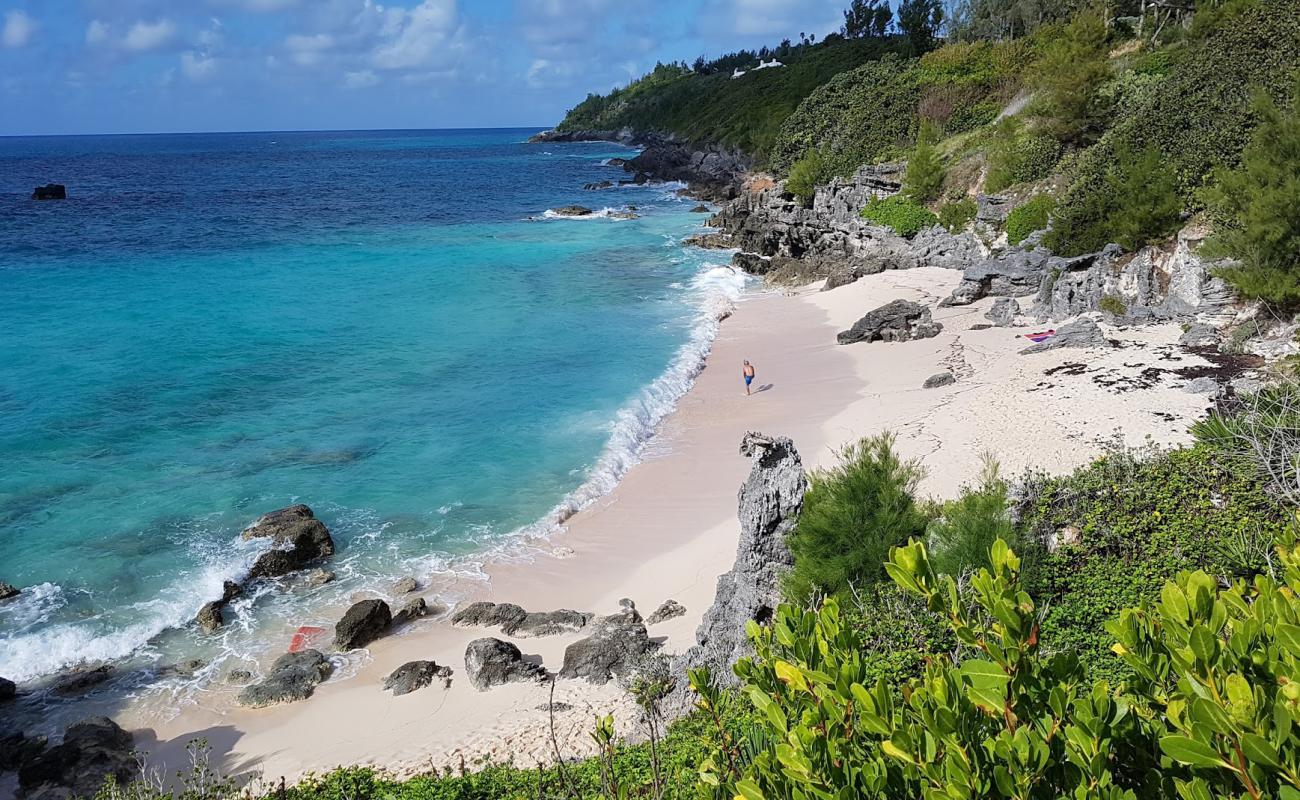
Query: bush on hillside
point(960, 537)
point(1072, 68)
point(925, 172)
point(1019, 155)
point(1029, 217)
point(852, 514)
point(897, 212)
point(805, 174)
point(1258, 207)
point(1137, 203)
point(957, 215)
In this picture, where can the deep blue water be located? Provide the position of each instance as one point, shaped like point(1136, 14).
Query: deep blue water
point(379, 324)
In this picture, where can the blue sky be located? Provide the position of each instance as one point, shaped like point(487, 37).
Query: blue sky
point(128, 66)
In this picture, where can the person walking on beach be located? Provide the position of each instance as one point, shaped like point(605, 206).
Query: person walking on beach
point(748, 372)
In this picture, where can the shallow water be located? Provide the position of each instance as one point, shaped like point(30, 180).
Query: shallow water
point(381, 325)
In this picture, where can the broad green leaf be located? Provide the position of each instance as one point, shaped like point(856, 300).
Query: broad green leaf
point(1186, 750)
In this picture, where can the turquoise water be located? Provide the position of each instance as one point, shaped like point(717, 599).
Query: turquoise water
point(381, 325)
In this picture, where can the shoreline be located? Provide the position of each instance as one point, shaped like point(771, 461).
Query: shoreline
point(669, 527)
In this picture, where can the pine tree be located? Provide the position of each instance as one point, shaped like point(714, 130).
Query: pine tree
point(920, 21)
point(925, 172)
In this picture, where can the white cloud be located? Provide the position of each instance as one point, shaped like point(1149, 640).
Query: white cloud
point(417, 37)
point(144, 36)
point(96, 32)
point(363, 79)
point(257, 6)
point(306, 50)
point(18, 29)
point(197, 66)
point(767, 18)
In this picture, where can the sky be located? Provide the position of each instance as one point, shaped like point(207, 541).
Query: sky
point(142, 66)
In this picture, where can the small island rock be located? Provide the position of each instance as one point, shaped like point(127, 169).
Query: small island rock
point(8, 591)
point(572, 211)
point(50, 191)
point(297, 538)
point(81, 681)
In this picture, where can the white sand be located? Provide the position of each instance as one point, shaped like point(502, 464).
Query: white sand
point(670, 527)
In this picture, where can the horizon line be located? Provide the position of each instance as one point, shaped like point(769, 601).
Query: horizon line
point(285, 130)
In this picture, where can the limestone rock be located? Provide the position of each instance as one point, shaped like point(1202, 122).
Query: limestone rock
point(406, 585)
point(939, 379)
point(1004, 312)
point(210, 617)
point(1200, 335)
point(293, 677)
point(1015, 273)
point(1203, 385)
point(993, 209)
point(492, 662)
point(416, 609)
point(548, 623)
point(317, 578)
point(899, 321)
point(671, 609)
point(297, 539)
point(362, 624)
point(615, 646)
point(709, 241)
point(486, 615)
point(1083, 332)
point(414, 675)
point(700, 209)
point(572, 211)
point(92, 751)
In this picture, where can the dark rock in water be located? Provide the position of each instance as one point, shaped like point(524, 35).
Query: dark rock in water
point(614, 648)
point(1083, 332)
point(899, 321)
point(709, 241)
point(484, 615)
point(1004, 312)
point(939, 379)
point(671, 609)
point(624, 215)
point(8, 591)
point(92, 751)
point(318, 577)
point(298, 538)
point(362, 624)
point(591, 187)
point(185, 669)
point(770, 502)
point(414, 675)
point(239, 676)
point(50, 191)
point(752, 263)
point(406, 585)
point(491, 662)
point(616, 162)
point(16, 749)
point(572, 211)
point(209, 617)
point(701, 209)
point(1200, 335)
point(293, 676)
point(8, 690)
point(83, 680)
point(548, 623)
point(416, 609)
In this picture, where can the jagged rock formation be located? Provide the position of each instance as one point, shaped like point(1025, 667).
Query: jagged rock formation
point(770, 501)
point(1083, 332)
point(80, 681)
point(615, 647)
point(363, 623)
point(297, 539)
point(92, 751)
point(671, 609)
point(899, 321)
point(1004, 312)
point(491, 662)
point(210, 618)
point(414, 675)
point(293, 676)
point(515, 621)
point(8, 591)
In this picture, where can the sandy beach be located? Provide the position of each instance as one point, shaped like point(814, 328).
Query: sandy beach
point(670, 528)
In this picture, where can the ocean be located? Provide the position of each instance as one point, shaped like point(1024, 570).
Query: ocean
point(386, 326)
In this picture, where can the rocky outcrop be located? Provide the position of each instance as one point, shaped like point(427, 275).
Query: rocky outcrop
point(1083, 333)
point(1200, 335)
point(492, 662)
point(297, 539)
point(597, 185)
point(8, 591)
point(406, 585)
point(50, 191)
point(488, 615)
point(615, 648)
point(701, 209)
point(572, 211)
point(993, 209)
point(770, 501)
point(17, 749)
point(1004, 312)
point(210, 618)
point(515, 621)
point(899, 321)
point(416, 609)
point(92, 751)
point(1018, 272)
point(293, 677)
point(8, 690)
point(938, 380)
point(413, 676)
point(363, 623)
point(708, 241)
point(671, 609)
point(712, 172)
point(80, 681)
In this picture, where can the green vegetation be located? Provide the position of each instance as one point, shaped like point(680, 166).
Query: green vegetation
point(852, 515)
point(904, 216)
point(1019, 155)
point(1071, 70)
point(925, 171)
point(810, 170)
point(957, 215)
point(1113, 305)
point(1258, 207)
point(1138, 203)
point(967, 527)
point(1029, 217)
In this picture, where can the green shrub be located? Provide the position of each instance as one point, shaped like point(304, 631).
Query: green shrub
point(925, 172)
point(968, 526)
point(1259, 207)
point(852, 514)
point(1071, 70)
point(1019, 156)
point(957, 215)
point(898, 632)
point(1136, 203)
point(805, 174)
point(1113, 305)
point(897, 212)
point(1029, 217)
point(1263, 430)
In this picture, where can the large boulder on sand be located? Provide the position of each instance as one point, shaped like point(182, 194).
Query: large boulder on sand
point(362, 624)
point(515, 621)
point(491, 662)
point(414, 675)
point(297, 539)
point(899, 321)
point(92, 751)
point(615, 647)
point(1083, 332)
point(293, 676)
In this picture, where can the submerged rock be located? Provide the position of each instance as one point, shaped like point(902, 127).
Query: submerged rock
point(939, 379)
point(293, 677)
point(50, 191)
point(92, 751)
point(297, 539)
point(770, 501)
point(591, 187)
point(671, 609)
point(406, 585)
point(82, 680)
point(491, 662)
point(899, 321)
point(317, 578)
point(363, 623)
point(572, 211)
point(414, 675)
point(209, 617)
point(614, 648)
point(8, 591)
